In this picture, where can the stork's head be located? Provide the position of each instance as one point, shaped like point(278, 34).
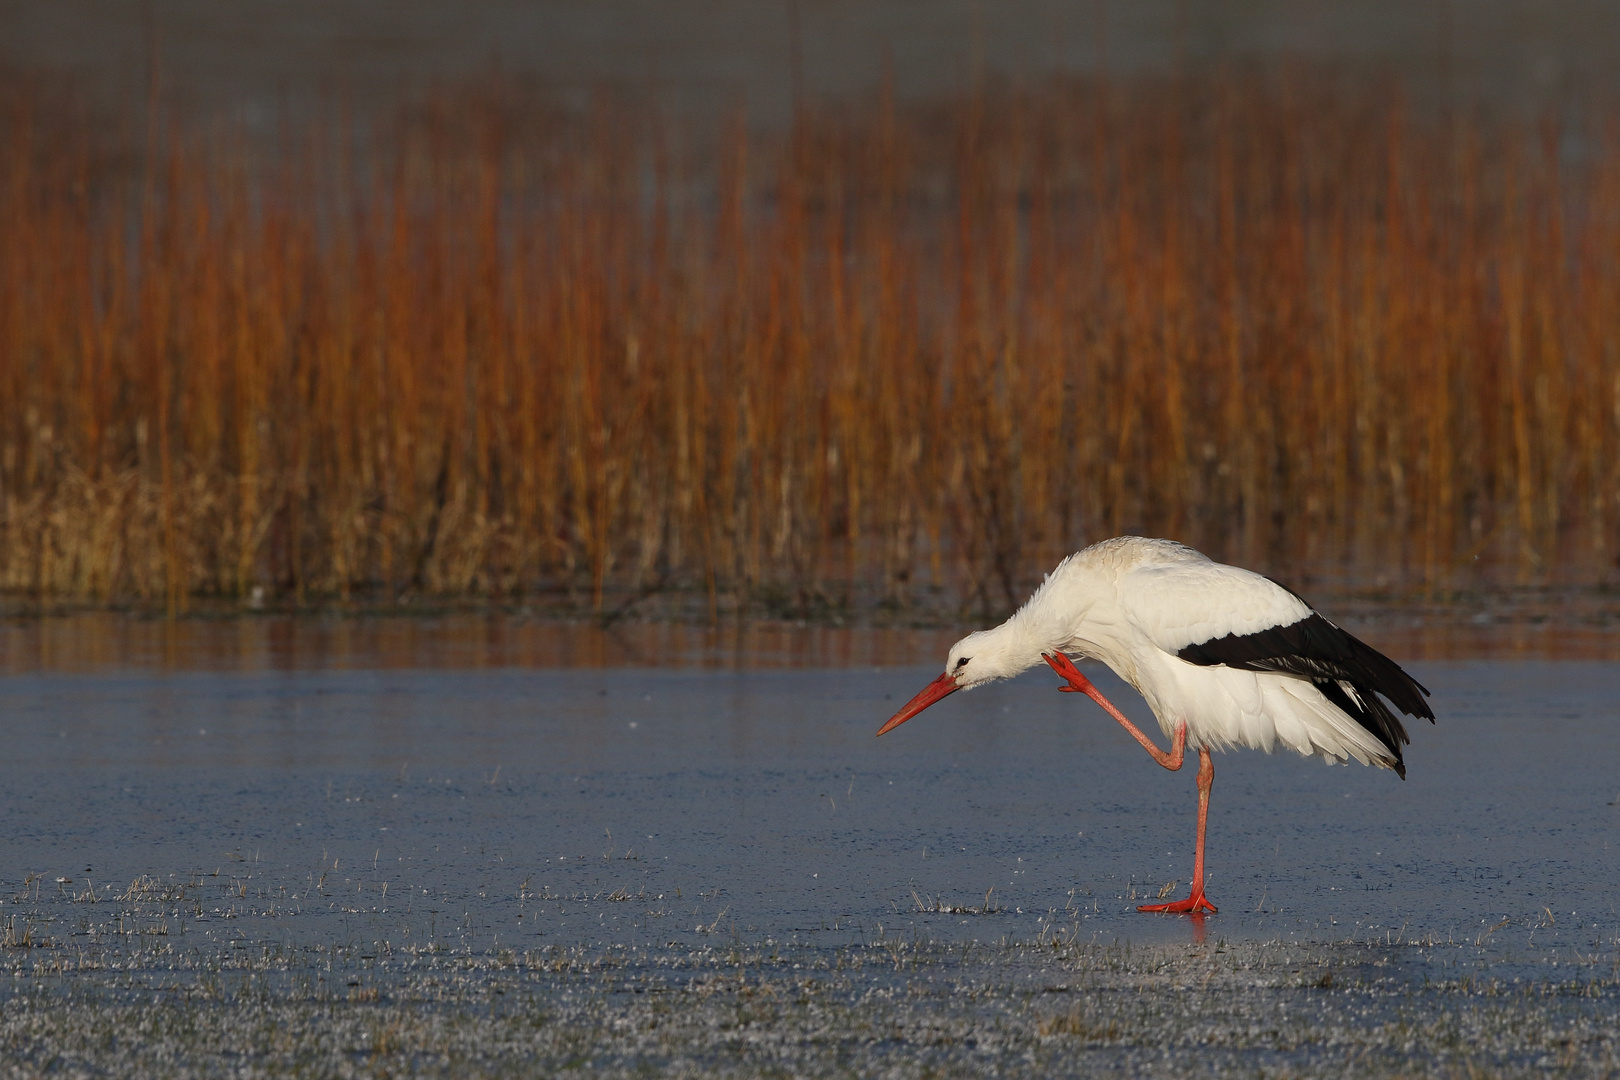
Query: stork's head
point(983, 656)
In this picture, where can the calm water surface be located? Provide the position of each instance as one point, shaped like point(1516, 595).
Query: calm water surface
point(520, 807)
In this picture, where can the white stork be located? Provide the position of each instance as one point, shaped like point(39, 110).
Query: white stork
point(1223, 656)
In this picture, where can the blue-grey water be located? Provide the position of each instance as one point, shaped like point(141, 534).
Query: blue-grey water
point(519, 808)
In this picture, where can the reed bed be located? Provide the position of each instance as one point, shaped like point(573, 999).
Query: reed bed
point(890, 356)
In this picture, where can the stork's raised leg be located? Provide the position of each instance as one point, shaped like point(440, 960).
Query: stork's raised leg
point(1079, 684)
point(1196, 901)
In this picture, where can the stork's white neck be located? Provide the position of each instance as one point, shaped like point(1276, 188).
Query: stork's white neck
point(1076, 594)
point(1006, 650)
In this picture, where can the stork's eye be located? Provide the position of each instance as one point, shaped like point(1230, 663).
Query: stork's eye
point(960, 664)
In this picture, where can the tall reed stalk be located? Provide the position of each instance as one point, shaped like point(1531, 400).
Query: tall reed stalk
point(888, 355)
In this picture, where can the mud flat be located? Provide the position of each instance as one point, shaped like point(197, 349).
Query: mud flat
point(887, 1007)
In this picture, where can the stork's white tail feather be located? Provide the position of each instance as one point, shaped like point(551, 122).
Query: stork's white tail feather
point(1228, 707)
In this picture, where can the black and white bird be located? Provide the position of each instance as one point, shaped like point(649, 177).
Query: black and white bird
point(1223, 656)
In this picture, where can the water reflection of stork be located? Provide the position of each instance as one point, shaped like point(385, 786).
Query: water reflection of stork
point(1224, 657)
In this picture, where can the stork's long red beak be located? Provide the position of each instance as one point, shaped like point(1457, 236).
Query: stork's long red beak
point(943, 686)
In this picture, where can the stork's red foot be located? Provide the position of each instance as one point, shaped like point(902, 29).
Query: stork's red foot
point(1078, 683)
point(1195, 903)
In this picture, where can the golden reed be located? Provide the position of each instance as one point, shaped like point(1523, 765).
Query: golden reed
point(498, 349)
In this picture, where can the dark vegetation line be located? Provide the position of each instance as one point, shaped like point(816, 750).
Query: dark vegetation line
point(494, 348)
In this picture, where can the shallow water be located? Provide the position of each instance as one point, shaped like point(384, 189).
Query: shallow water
point(519, 809)
point(470, 847)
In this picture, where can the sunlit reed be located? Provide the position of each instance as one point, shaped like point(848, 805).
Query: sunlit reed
point(887, 356)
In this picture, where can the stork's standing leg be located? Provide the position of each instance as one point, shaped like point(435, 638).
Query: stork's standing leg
point(1079, 684)
point(1196, 901)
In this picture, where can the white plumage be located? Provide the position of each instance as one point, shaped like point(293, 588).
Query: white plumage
point(1223, 656)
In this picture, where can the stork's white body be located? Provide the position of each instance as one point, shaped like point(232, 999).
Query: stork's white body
point(1135, 603)
point(1223, 656)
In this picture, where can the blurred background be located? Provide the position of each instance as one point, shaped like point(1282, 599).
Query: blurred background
point(250, 59)
point(807, 309)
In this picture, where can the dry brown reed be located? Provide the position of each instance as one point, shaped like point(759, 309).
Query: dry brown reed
point(889, 355)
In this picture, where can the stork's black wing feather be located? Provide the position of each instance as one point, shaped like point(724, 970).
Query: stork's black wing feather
point(1347, 670)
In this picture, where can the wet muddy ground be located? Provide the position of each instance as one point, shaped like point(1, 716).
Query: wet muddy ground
point(455, 871)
